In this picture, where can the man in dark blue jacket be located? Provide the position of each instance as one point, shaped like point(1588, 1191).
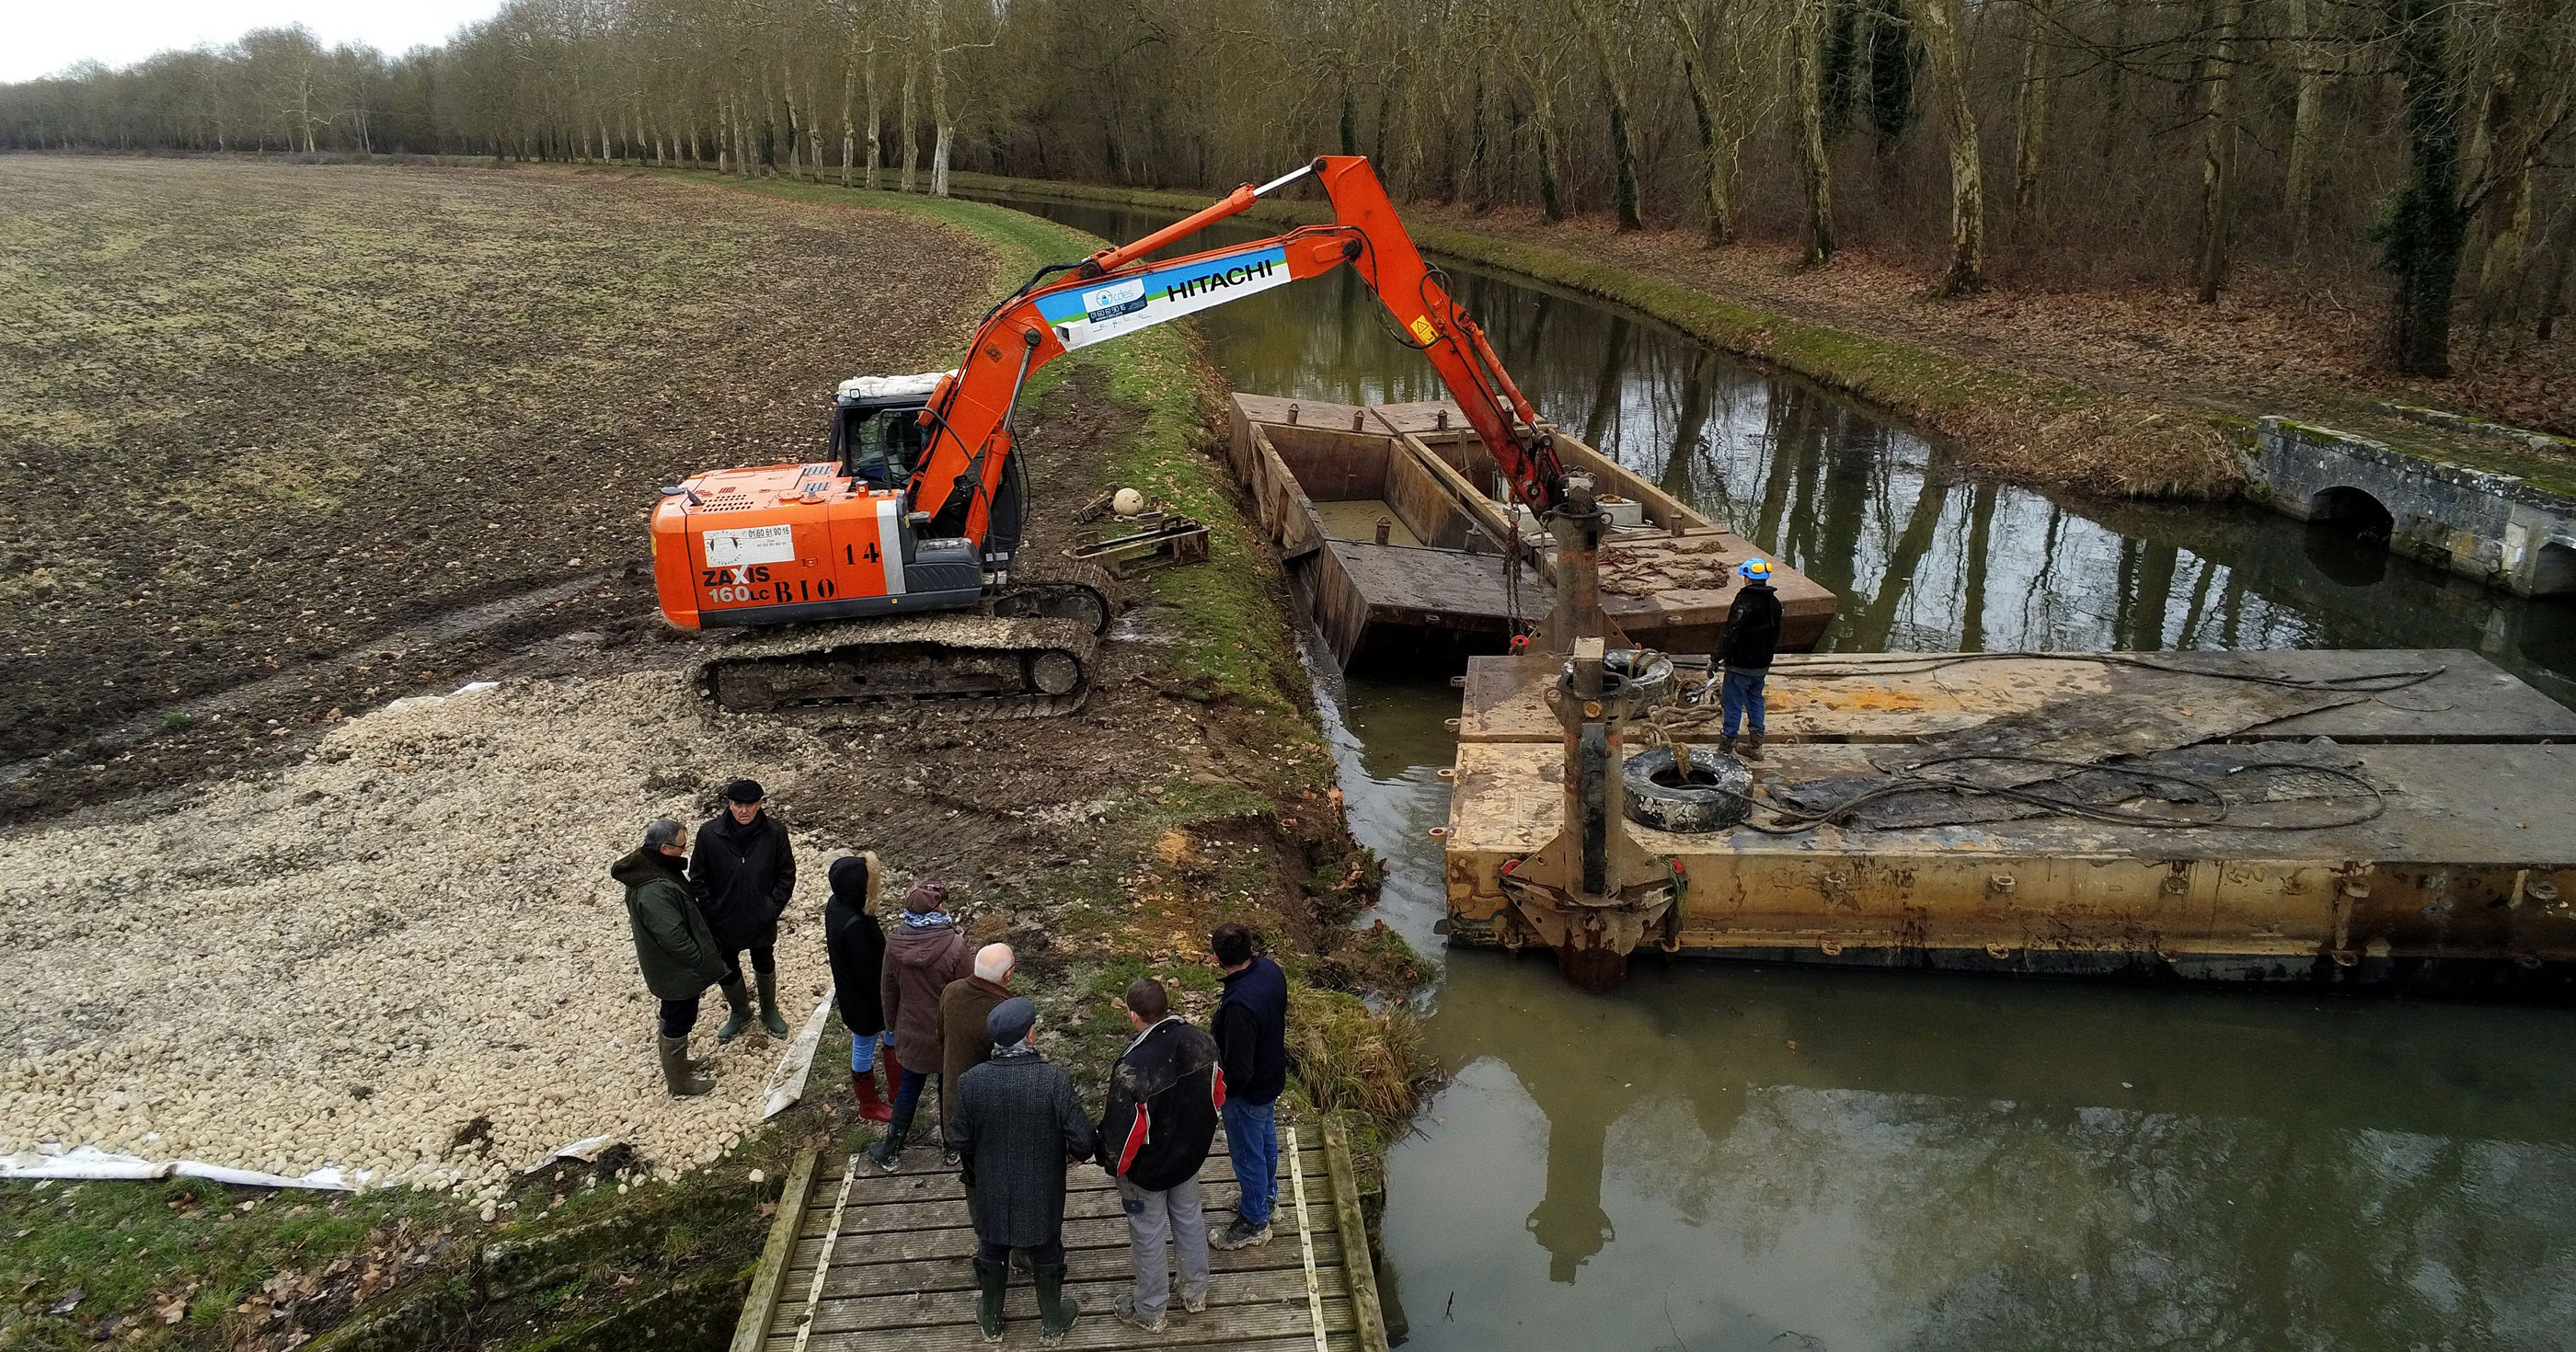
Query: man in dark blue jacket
point(1251, 1026)
point(1164, 1095)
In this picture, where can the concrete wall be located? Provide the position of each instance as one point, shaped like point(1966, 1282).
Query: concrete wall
point(2493, 527)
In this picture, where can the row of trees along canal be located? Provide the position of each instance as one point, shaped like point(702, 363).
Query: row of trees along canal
point(2430, 141)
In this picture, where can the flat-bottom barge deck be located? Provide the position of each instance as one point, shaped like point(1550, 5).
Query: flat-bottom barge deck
point(2401, 820)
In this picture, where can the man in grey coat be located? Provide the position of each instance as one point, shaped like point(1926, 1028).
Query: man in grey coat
point(1016, 1130)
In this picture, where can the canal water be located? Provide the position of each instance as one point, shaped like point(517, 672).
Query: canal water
point(1738, 1157)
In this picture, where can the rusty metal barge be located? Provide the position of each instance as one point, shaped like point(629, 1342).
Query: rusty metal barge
point(2398, 820)
point(1387, 520)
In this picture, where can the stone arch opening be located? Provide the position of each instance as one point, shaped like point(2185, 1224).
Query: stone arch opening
point(2350, 511)
point(2554, 572)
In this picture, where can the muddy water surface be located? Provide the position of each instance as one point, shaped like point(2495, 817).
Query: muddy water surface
point(1724, 1156)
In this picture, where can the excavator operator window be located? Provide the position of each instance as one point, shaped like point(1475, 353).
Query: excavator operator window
point(879, 446)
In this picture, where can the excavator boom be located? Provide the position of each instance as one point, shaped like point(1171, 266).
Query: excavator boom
point(1115, 292)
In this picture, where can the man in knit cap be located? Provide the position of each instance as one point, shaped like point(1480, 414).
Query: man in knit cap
point(923, 954)
point(1017, 1129)
point(856, 945)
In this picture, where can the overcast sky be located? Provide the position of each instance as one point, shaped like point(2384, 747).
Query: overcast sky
point(41, 37)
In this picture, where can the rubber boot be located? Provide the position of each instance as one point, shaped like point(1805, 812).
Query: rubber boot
point(888, 1151)
point(1753, 747)
point(675, 1070)
point(1726, 745)
point(863, 1085)
point(770, 1018)
point(739, 1000)
point(1056, 1310)
point(990, 1279)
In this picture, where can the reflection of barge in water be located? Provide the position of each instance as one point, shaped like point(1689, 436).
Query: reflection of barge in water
point(1384, 516)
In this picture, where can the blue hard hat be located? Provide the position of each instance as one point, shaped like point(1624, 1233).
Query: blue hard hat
point(1754, 569)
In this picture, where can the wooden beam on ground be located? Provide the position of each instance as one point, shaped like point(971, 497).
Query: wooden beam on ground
point(752, 1329)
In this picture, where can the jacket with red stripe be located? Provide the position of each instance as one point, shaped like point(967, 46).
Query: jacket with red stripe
point(1163, 1099)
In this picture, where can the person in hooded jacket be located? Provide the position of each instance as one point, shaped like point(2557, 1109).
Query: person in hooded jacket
point(856, 944)
point(672, 945)
point(923, 954)
point(1164, 1096)
point(745, 872)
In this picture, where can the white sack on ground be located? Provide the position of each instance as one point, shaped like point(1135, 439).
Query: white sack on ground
point(347, 962)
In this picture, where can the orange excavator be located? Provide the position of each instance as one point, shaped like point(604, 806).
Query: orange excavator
point(885, 580)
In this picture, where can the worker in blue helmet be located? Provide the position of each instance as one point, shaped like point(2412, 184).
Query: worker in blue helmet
point(1744, 653)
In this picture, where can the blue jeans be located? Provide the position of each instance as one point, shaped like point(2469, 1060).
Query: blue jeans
point(863, 1052)
point(1252, 1140)
point(908, 1094)
point(1740, 700)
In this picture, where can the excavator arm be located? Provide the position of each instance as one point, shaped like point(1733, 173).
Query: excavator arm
point(1115, 292)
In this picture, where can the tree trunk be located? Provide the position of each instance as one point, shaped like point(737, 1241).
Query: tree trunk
point(796, 130)
point(911, 139)
point(1940, 23)
point(2553, 293)
point(2421, 234)
point(1815, 171)
point(1708, 109)
point(2218, 153)
point(876, 120)
point(849, 128)
point(2030, 127)
point(1614, 88)
point(939, 103)
point(2298, 181)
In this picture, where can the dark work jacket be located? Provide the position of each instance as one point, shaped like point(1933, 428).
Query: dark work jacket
point(856, 944)
point(672, 946)
point(744, 875)
point(1017, 1123)
point(1251, 1026)
point(1164, 1094)
point(1752, 628)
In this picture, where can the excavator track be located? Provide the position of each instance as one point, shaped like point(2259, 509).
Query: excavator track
point(960, 665)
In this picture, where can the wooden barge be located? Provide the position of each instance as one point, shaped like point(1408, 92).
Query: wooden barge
point(2401, 820)
point(1387, 518)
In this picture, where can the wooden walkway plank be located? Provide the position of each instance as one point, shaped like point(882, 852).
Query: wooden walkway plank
point(893, 1308)
point(954, 1272)
point(958, 1242)
point(940, 1206)
point(1096, 1331)
point(873, 1189)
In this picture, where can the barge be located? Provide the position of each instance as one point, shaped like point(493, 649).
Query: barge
point(1388, 519)
point(2397, 820)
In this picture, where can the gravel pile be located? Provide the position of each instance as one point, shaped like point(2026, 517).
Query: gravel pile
point(403, 955)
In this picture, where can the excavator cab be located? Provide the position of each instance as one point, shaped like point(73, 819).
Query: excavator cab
point(877, 434)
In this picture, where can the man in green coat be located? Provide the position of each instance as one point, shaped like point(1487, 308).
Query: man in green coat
point(672, 943)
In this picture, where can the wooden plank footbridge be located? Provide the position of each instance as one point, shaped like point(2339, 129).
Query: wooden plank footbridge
point(860, 1260)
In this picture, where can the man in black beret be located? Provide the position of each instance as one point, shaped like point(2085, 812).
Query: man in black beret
point(744, 872)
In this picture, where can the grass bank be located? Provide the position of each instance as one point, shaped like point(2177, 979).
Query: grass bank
point(1196, 789)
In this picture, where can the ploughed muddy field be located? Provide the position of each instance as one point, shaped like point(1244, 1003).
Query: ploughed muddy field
point(298, 440)
point(307, 442)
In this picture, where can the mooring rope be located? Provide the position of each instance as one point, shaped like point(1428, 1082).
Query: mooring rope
point(1306, 1241)
point(823, 1263)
